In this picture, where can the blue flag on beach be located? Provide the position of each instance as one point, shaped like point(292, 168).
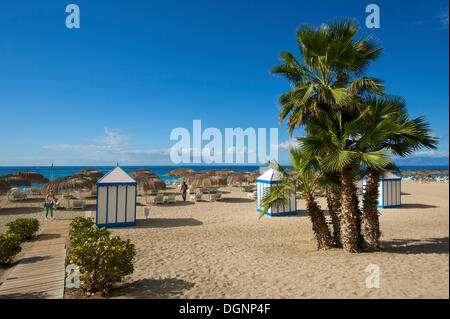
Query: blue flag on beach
point(51, 170)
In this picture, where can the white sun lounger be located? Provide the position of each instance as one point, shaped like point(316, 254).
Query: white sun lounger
point(159, 199)
point(170, 199)
point(78, 204)
point(196, 197)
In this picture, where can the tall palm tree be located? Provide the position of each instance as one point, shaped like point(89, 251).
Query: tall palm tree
point(336, 140)
point(330, 73)
point(403, 137)
point(307, 179)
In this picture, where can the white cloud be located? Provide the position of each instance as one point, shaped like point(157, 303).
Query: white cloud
point(287, 144)
point(430, 154)
point(112, 146)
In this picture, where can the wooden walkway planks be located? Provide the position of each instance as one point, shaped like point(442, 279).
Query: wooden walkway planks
point(41, 273)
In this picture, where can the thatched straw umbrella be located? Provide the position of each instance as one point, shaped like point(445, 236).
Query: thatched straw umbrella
point(14, 180)
point(208, 181)
point(180, 172)
point(147, 181)
point(89, 172)
point(32, 177)
point(242, 178)
point(69, 184)
point(226, 172)
point(4, 187)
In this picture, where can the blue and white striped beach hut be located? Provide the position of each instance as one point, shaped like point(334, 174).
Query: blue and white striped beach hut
point(116, 200)
point(389, 190)
point(263, 184)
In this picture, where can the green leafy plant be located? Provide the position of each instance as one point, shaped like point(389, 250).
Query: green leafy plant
point(79, 223)
point(82, 235)
point(25, 228)
point(9, 247)
point(103, 260)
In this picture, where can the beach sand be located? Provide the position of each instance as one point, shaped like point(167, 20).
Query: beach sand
point(222, 250)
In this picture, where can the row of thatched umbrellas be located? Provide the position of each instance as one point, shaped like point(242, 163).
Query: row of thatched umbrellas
point(147, 180)
point(23, 178)
point(425, 172)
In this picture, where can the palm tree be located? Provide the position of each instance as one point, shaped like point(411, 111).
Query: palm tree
point(329, 76)
point(402, 138)
point(330, 73)
point(337, 142)
point(307, 179)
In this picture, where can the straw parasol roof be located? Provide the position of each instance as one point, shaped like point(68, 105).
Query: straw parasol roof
point(69, 184)
point(242, 178)
point(15, 180)
point(208, 181)
point(147, 180)
point(89, 172)
point(152, 185)
point(180, 172)
point(4, 187)
point(32, 177)
point(226, 172)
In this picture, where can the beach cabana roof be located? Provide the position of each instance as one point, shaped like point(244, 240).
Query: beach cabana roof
point(389, 175)
point(271, 176)
point(116, 176)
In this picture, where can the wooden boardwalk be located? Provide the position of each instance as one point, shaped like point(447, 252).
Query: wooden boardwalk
point(41, 273)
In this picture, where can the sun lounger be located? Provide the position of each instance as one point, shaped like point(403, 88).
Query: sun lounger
point(78, 204)
point(159, 199)
point(170, 199)
point(15, 195)
point(196, 197)
point(252, 195)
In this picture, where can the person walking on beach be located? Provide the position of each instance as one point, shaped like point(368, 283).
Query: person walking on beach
point(184, 188)
point(49, 202)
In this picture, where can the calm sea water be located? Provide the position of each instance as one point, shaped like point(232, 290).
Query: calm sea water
point(60, 171)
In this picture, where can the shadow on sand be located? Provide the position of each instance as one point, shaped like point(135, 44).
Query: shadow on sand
point(152, 288)
point(410, 206)
point(415, 246)
point(237, 200)
point(21, 210)
point(167, 222)
point(176, 204)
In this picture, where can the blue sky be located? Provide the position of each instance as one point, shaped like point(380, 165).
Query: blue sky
point(114, 89)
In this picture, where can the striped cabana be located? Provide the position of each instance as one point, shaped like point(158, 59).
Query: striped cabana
point(116, 200)
point(263, 184)
point(389, 190)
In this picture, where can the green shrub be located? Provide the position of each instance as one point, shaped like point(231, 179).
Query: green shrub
point(9, 247)
point(79, 223)
point(24, 227)
point(80, 236)
point(103, 260)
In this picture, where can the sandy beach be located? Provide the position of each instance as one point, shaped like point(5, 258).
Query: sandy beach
point(222, 250)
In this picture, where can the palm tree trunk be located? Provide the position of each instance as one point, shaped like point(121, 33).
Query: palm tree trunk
point(320, 227)
point(370, 224)
point(334, 207)
point(349, 227)
point(358, 214)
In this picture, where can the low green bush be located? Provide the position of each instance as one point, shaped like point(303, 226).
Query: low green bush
point(25, 228)
point(79, 223)
point(103, 260)
point(9, 247)
point(82, 235)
